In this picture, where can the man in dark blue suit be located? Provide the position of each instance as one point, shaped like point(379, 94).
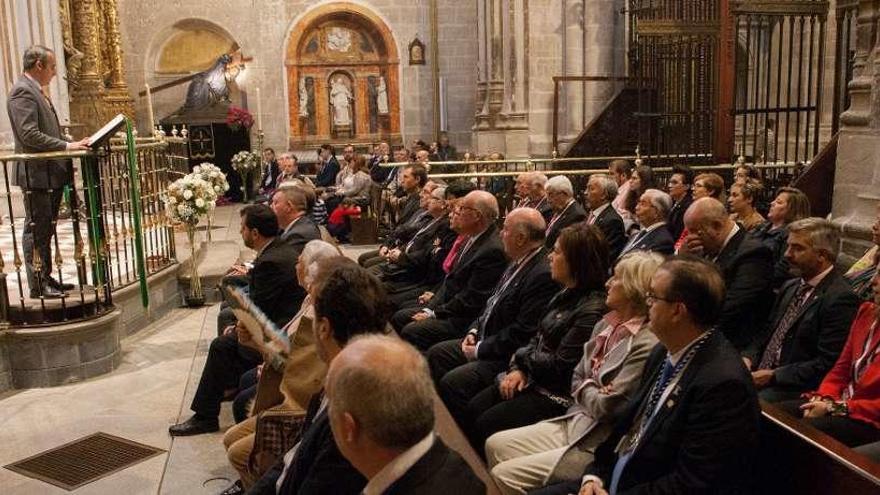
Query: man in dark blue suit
point(328, 166)
point(651, 211)
point(810, 320)
point(389, 440)
point(693, 425)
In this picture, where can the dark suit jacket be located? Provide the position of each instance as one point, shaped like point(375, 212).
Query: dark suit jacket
point(746, 265)
point(36, 129)
point(417, 254)
point(408, 208)
point(704, 437)
point(303, 231)
point(575, 213)
point(548, 360)
point(514, 319)
point(815, 339)
point(658, 240)
point(611, 225)
point(318, 467)
point(378, 173)
point(269, 181)
point(469, 284)
point(675, 219)
point(439, 472)
point(327, 176)
point(272, 282)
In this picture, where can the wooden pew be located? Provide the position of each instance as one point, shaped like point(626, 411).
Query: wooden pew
point(797, 458)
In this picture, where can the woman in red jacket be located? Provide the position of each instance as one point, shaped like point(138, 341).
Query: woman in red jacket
point(847, 403)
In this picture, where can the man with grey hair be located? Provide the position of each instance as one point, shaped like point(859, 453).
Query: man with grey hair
point(744, 262)
point(463, 367)
point(810, 320)
point(475, 263)
point(380, 400)
point(601, 191)
point(530, 188)
point(566, 210)
point(651, 211)
point(36, 129)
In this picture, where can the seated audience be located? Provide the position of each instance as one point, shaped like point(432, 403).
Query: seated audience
point(339, 223)
point(352, 183)
point(530, 189)
point(328, 166)
point(463, 367)
point(347, 302)
point(302, 372)
point(476, 261)
point(444, 151)
point(538, 377)
point(273, 287)
point(380, 401)
point(641, 179)
point(745, 172)
point(808, 325)
point(411, 217)
point(381, 154)
point(287, 162)
point(271, 171)
point(420, 267)
point(566, 210)
point(290, 204)
point(679, 187)
point(790, 204)
point(705, 185)
point(693, 426)
point(601, 189)
point(744, 263)
point(621, 171)
point(605, 379)
point(651, 212)
point(861, 273)
point(741, 200)
point(847, 403)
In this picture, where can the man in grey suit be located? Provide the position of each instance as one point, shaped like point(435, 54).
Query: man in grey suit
point(36, 129)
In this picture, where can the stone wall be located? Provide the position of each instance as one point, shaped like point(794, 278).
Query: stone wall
point(263, 28)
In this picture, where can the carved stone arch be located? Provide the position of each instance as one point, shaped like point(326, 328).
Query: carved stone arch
point(187, 46)
point(349, 39)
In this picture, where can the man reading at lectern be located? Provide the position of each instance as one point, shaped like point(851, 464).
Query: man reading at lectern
point(36, 129)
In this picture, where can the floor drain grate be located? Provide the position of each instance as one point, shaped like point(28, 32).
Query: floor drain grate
point(83, 461)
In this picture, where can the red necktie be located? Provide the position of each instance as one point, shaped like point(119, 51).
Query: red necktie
point(453, 253)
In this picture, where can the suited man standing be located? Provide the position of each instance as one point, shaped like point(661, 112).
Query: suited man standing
point(601, 191)
point(744, 262)
point(392, 442)
point(476, 261)
point(36, 129)
point(651, 211)
point(566, 210)
point(693, 425)
point(464, 367)
point(810, 319)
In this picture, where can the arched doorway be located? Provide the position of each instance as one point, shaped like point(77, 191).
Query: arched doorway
point(342, 78)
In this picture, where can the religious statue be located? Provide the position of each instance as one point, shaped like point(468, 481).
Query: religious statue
point(303, 98)
point(382, 97)
point(210, 86)
point(340, 99)
point(339, 39)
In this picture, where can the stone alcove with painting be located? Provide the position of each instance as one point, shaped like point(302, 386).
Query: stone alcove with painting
point(342, 77)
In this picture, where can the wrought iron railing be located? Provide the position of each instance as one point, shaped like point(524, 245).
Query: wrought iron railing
point(105, 239)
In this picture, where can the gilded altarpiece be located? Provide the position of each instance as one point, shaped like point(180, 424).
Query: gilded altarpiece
point(342, 81)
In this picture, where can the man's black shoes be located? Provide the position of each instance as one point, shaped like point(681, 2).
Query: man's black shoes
point(194, 426)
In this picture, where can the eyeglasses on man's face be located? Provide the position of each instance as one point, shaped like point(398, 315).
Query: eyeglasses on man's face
point(651, 298)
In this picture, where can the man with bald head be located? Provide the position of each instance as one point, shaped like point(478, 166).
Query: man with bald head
point(381, 409)
point(463, 367)
point(475, 263)
point(744, 262)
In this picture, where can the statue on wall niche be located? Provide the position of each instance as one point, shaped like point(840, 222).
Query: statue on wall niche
point(211, 86)
point(382, 97)
point(303, 98)
point(340, 100)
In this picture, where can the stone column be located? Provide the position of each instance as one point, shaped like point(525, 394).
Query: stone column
point(117, 98)
point(857, 177)
point(87, 108)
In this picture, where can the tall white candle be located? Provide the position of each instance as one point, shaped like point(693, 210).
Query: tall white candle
point(259, 112)
point(150, 110)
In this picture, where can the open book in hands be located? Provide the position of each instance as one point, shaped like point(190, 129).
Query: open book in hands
point(264, 334)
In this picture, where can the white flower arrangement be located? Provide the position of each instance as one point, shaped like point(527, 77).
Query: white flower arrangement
point(189, 198)
point(212, 174)
point(245, 161)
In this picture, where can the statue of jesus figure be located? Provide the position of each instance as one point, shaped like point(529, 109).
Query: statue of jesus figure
point(340, 99)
